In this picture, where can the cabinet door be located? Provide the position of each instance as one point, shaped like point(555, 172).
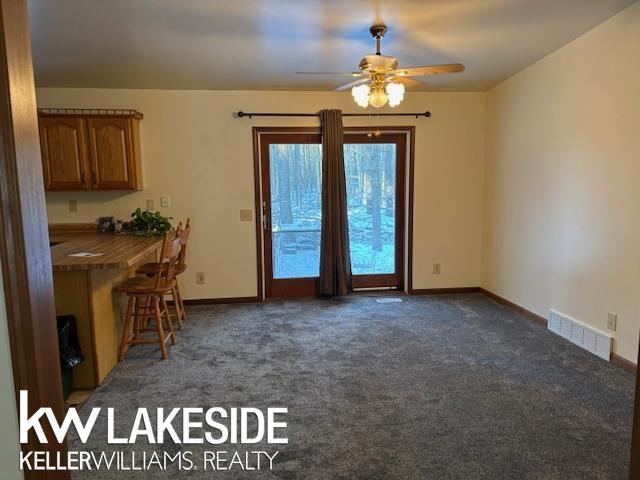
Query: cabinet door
point(64, 153)
point(111, 153)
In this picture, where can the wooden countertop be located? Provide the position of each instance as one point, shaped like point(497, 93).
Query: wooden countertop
point(117, 251)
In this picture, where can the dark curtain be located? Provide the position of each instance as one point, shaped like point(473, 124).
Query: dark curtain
point(335, 261)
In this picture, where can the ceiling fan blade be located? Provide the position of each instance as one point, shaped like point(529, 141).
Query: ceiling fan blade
point(352, 74)
point(406, 81)
point(428, 70)
point(349, 85)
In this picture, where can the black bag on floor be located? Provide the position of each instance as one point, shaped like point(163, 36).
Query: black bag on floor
point(70, 352)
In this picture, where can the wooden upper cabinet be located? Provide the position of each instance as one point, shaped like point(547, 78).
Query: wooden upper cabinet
point(83, 150)
point(64, 153)
point(112, 154)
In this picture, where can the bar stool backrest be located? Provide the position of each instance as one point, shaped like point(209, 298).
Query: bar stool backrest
point(183, 233)
point(168, 258)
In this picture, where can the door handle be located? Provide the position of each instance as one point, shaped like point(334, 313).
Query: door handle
point(265, 216)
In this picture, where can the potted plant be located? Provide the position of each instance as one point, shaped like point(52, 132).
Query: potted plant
point(148, 224)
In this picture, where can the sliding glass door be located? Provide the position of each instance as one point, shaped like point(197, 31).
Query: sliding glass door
point(291, 168)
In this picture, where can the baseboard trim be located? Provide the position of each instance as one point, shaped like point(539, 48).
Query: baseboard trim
point(623, 363)
point(221, 301)
point(514, 306)
point(616, 359)
point(435, 291)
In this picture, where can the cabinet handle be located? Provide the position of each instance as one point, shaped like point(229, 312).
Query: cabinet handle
point(95, 179)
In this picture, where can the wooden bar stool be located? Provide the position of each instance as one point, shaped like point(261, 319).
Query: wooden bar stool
point(147, 304)
point(181, 267)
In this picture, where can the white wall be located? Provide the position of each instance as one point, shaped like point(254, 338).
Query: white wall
point(196, 152)
point(9, 444)
point(563, 182)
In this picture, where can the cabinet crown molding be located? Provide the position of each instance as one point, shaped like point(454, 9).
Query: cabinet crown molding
point(102, 112)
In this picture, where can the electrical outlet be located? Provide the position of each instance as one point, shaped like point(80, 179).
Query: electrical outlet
point(436, 269)
point(200, 278)
point(151, 204)
point(165, 201)
point(612, 321)
point(246, 214)
point(73, 206)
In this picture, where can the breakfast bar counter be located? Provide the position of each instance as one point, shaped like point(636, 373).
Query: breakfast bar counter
point(87, 266)
point(103, 250)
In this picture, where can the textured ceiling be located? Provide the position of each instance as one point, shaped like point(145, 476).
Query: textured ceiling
point(260, 44)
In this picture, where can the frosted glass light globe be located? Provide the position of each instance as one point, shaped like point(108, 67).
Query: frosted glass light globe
point(395, 92)
point(361, 95)
point(378, 98)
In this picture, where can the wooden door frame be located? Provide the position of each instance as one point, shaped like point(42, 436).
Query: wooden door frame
point(24, 237)
point(408, 130)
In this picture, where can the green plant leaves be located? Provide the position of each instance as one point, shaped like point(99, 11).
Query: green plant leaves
point(148, 223)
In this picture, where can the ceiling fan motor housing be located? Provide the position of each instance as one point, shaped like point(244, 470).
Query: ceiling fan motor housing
point(378, 31)
point(378, 63)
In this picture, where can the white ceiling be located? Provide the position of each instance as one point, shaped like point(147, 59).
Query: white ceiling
point(259, 44)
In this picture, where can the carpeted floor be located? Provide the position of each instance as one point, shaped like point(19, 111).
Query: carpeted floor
point(434, 387)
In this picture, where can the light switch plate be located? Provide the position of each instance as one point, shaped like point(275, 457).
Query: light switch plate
point(436, 269)
point(246, 214)
point(200, 278)
point(165, 201)
point(612, 321)
point(73, 206)
point(151, 204)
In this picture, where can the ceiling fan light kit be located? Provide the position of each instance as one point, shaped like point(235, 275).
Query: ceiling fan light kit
point(360, 94)
point(395, 93)
point(380, 81)
point(378, 94)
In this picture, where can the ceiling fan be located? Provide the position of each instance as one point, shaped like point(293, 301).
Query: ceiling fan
point(381, 81)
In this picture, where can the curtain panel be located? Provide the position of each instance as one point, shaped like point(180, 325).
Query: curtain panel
point(335, 260)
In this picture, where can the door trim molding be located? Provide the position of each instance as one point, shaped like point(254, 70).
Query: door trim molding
point(24, 239)
point(257, 193)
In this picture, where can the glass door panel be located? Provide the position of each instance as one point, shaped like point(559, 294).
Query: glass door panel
point(371, 199)
point(296, 209)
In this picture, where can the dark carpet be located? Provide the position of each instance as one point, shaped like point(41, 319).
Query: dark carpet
point(435, 387)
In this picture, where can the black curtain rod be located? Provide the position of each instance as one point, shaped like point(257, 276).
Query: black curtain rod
point(242, 114)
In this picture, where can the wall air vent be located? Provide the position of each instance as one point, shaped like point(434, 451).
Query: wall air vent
point(582, 335)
